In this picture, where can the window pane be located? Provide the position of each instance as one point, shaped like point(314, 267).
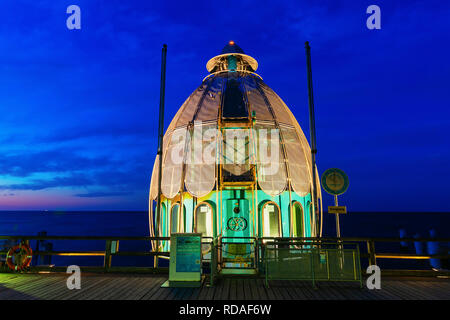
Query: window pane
point(204, 220)
point(271, 220)
point(174, 218)
point(234, 103)
point(298, 220)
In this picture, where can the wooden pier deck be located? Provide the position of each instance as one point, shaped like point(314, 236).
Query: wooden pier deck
point(148, 287)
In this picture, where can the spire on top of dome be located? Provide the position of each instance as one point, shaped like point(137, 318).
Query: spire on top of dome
point(232, 47)
point(232, 59)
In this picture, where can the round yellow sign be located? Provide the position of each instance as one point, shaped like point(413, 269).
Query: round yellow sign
point(334, 181)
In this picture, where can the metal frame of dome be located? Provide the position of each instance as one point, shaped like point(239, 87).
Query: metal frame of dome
point(192, 185)
point(213, 61)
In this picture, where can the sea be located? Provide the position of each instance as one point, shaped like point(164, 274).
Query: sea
point(136, 224)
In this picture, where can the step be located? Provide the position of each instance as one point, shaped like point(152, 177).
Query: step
point(238, 271)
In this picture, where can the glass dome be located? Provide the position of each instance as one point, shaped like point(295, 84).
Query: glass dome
point(233, 97)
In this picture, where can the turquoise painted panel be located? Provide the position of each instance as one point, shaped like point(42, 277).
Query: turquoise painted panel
point(242, 199)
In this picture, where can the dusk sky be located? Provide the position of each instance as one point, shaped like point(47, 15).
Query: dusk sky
point(79, 108)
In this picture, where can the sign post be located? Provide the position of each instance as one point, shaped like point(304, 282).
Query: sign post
point(185, 266)
point(335, 182)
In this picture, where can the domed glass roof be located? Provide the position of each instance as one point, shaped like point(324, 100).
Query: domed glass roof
point(233, 97)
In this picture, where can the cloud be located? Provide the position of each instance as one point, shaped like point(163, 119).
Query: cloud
point(102, 194)
point(23, 164)
point(127, 129)
point(39, 184)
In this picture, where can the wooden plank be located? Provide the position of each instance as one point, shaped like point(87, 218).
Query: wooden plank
point(58, 289)
point(300, 292)
point(253, 289)
point(444, 288)
point(143, 286)
point(53, 283)
point(334, 290)
point(240, 289)
point(138, 286)
point(262, 290)
point(147, 284)
point(109, 286)
point(440, 287)
point(107, 290)
point(420, 294)
point(248, 294)
point(187, 293)
point(172, 293)
point(423, 290)
point(289, 287)
point(126, 286)
point(194, 295)
point(206, 293)
point(7, 277)
point(270, 293)
point(277, 292)
point(392, 287)
point(181, 292)
point(22, 292)
point(219, 289)
point(88, 284)
point(233, 289)
point(157, 292)
point(19, 289)
point(225, 292)
point(16, 281)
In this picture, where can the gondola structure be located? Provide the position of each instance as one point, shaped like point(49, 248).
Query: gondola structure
point(236, 165)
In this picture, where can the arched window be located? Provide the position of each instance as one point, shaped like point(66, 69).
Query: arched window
point(297, 213)
point(163, 221)
point(312, 219)
point(204, 219)
point(271, 219)
point(174, 214)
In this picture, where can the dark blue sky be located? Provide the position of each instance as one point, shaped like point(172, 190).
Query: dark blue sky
point(79, 107)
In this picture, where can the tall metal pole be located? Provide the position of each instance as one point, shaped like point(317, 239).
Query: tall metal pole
point(312, 128)
point(160, 141)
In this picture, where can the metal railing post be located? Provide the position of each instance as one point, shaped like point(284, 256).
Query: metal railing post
point(359, 266)
point(107, 260)
point(213, 264)
point(371, 252)
point(312, 269)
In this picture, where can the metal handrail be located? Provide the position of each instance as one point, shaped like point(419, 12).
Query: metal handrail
point(260, 243)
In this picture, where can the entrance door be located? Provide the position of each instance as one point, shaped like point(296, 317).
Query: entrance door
point(237, 216)
point(236, 246)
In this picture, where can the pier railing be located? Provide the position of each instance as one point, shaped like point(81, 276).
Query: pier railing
point(111, 250)
point(373, 252)
point(314, 261)
point(402, 251)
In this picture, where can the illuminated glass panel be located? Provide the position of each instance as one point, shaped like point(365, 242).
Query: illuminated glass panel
point(174, 218)
point(297, 211)
point(271, 220)
point(204, 224)
point(234, 105)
